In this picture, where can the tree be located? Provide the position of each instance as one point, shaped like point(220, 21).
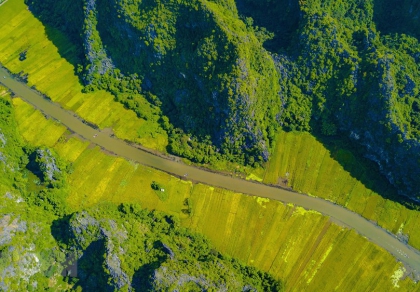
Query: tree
point(155, 186)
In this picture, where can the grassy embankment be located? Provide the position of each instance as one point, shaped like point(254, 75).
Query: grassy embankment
point(299, 246)
point(311, 167)
point(54, 75)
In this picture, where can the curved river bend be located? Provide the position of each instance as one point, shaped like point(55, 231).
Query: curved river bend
point(338, 214)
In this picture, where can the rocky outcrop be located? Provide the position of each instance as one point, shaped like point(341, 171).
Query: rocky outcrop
point(86, 230)
point(44, 164)
point(166, 276)
point(47, 164)
point(27, 254)
point(2, 140)
point(97, 58)
point(8, 228)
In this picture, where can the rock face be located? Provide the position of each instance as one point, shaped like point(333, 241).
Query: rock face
point(2, 144)
point(98, 61)
point(2, 140)
point(9, 227)
point(93, 236)
point(383, 135)
point(44, 164)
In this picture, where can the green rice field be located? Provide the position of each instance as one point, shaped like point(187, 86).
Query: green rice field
point(301, 247)
point(315, 170)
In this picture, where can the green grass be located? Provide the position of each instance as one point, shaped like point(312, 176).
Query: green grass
point(301, 247)
point(54, 75)
point(315, 170)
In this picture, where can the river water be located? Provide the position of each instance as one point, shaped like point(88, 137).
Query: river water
point(405, 253)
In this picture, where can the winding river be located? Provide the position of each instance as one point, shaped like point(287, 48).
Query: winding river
point(405, 253)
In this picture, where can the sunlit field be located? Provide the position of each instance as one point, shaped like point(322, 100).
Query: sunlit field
point(313, 169)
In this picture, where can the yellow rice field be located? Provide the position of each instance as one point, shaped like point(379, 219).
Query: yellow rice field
point(313, 170)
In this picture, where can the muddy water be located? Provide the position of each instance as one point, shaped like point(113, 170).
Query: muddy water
point(338, 214)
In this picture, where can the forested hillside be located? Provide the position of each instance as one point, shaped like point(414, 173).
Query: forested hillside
point(222, 77)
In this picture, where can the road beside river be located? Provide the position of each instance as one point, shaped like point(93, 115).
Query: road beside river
point(405, 253)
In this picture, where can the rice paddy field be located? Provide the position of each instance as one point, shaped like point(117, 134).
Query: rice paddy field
point(313, 169)
point(51, 72)
point(301, 247)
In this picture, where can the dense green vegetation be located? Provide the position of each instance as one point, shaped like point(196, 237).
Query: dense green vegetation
point(181, 66)
point(29, 255)
point(357, 82)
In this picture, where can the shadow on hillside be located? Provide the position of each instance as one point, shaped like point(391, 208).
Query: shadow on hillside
point(143, 277)
point(90, 268)
point(350, 157)
point(68, 50)
point(280, 17)
point(398, 16)
point(69, 45)
point(60, 230)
